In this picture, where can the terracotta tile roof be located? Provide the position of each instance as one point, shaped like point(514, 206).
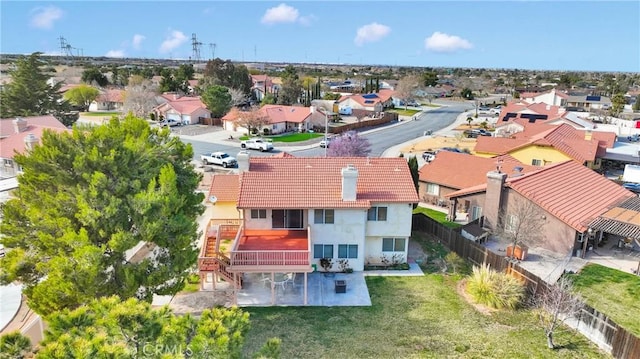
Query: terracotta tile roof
point(232, 115)
point(283, 154)
point(373, 98)
point(225, 187)
point(11, 141)
point(515, 110)
point(111, 95)
point(445, 169)
point(280, 113)
point(184, 105)
point(563, 137)
point(295, 182)
point(571, 192)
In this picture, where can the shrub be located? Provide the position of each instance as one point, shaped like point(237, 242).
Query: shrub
point(456, 263)
point(493, 289)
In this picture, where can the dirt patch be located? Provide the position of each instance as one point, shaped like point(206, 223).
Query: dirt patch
point(436, 142)
point(462, 291)
point(196, 302)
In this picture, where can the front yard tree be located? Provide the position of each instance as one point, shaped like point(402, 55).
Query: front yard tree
point(406, 88)
point(466, 93)
point(520, 225)
point(217, 99)
point(349, 144)
point(111, 328)
point(291, 89)
point(429, 78)
point(617, 104)
point(28, 93)
point(94, 75)
point(139, 98)
point(82, 96)
point(86, 197)
point(556, 305)
point(253, 119)
point(225, 73)
point(413, 168)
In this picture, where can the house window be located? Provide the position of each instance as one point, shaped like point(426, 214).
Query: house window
point(433, 189)
point(393, 244)
point(323, 216)
point(286, 218)
point(8, 162)
point(536, 162)
point(511, 223)
point(476, 212)
point(258, 213)
point(322, 251)
point(377, 214)
point(347, 251)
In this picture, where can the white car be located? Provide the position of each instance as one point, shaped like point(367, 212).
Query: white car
point(325, 143)
point(169, 122)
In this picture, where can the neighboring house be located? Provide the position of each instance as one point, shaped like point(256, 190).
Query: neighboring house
point(224, 197)
point(566, 196)
point(588, 102)
point(108, 100)
point(376, 102)
point(541, 144)
point(530, 112)
point(280, 119)
point(18, 135)
point(261, 85)
point(184, 109)
point(296, 211)
point(350, 86)
point(552, 97)
point(439, 178)
point(192, 85)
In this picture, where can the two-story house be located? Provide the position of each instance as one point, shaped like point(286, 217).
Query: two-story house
point(297, 211)
point(18, 135)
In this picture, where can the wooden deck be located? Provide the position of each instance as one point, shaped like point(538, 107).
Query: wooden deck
point(273, 240)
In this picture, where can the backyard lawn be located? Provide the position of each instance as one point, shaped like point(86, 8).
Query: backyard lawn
point(612, 292)
point(410, 317)
point(440, 217)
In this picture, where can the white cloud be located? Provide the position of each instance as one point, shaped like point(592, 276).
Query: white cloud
point(441, 42)
point(307, 20)
point(371, 33)
point(280, 13)
point(44, 17)
point(137, 41)
point(175, 39)
point(115, 53)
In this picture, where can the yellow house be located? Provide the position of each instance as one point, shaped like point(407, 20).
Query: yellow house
point(223, 195)
point(543, 144)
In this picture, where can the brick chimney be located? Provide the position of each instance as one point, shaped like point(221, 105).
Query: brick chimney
point(19, 125)
point(349, 183)
point(243, 161)
point(493, 198)
point(30, 141)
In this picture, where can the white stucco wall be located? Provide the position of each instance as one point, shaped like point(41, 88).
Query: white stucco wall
point(398, 223)
point(348, 228)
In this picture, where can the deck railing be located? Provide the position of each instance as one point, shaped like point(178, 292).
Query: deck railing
point(270, 258)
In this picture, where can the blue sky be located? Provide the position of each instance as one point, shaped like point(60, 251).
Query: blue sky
point(543, 35)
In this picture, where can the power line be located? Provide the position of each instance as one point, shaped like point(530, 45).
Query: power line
point(195, 45)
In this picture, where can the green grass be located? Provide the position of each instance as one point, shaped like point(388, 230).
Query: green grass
point(99, 114)
point(430, 105)
point(410, 317)
point(441, 217)
point(292, 137)
point(403, 112)
point(612, 292)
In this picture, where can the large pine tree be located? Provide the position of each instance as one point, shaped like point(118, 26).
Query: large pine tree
point(86, 197)
point(28, 93)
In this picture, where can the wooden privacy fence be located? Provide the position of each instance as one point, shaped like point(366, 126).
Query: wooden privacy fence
point(596, 326)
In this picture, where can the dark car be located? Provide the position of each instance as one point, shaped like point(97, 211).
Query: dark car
point(452, 149)
point(633, 187)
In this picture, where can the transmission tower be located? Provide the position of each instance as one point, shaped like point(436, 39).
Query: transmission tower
point(65, 48)
point(195, 44)
point(212, 46)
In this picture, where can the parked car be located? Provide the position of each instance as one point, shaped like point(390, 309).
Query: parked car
point(452, 149)
point(633, 187)
point(169, 122)
point(257, 144)
point(483, 109)
point(634, 138)
point(428, 156)
point(325, 143)
point(476, 132)
point(218, 158)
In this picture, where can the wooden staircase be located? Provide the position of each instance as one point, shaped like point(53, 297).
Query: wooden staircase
point(212, 260)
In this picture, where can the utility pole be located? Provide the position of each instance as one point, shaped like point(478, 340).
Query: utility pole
point(326, 130)
point(195, 45)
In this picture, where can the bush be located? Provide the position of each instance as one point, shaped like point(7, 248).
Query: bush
point(456, 264)
point(493, 289)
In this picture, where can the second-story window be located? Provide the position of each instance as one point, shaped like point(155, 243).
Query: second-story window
point(323, 216)
point(377, 214)
point(258, 213)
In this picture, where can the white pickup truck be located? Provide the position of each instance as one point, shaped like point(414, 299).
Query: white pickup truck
point(257, 144)
point(218, 158)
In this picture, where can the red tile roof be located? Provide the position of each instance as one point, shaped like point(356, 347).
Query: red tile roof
point(280, 113)
point(11, 141)
point(563, 137)
point(185, 105)
point(111, 95)
point(445, 169)
point(381, 96)
point(225, 187)
point(571, 192)
point(295, 182)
